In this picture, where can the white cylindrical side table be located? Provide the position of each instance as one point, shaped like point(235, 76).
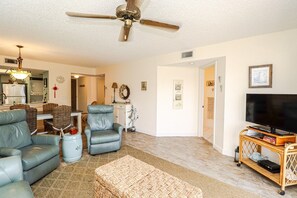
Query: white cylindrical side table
point(72, 147)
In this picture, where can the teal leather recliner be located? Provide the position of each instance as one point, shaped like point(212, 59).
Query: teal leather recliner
point(102, 134)
point(12, 184)
point(39, 153)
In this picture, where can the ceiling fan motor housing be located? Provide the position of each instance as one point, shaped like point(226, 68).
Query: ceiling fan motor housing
point(123, 13)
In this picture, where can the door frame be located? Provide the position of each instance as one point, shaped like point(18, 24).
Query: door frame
point(201, 100)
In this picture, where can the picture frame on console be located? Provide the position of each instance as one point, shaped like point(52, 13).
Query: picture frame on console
point(260, 76)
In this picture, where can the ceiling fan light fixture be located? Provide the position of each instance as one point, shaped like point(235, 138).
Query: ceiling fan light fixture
point(19, 73)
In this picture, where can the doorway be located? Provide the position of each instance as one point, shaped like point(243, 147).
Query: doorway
point(208, 103)
point(73, 94)
point(87, 89)
point(101, 89)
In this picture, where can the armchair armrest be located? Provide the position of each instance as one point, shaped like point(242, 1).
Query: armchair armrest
point(117, 127)
point(46, 139)
point(88, 131)
point(6, 152)
point(11, 170)
point(88, 135)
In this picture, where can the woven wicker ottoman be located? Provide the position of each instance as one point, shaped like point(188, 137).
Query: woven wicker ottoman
point(129, 177)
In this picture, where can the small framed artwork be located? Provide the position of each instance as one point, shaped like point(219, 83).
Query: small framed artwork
point(177, 94)
point(143, 86)
point(260, 76)
point(210, 83)
point(178, 97)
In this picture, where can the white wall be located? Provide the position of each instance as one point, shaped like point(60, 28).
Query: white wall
point(277, 48)
point(55, 70)
point(145, 102)
point(177, 122)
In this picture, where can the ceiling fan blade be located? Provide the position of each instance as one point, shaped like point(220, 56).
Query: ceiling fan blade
point(124, 33)
point(158, 24)
point(97, 16)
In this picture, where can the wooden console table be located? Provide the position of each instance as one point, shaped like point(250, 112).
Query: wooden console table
point(287, 157)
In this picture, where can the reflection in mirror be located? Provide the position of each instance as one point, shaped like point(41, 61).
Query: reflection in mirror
point(32, 89)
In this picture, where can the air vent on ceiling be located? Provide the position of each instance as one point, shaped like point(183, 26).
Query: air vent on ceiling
point(11, 61)
point(187, 54)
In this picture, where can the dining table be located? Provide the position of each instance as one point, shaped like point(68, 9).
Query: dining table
point(43, 115)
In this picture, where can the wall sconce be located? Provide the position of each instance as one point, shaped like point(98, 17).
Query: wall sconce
point(114, 86)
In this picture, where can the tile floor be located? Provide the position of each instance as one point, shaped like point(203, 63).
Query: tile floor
point(197, 154)
point(208, 134)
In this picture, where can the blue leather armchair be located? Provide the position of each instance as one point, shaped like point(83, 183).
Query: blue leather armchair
point(12, 184)
point(39, 153)
point(102, 134)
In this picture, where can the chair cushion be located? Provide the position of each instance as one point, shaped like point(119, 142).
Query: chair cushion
point(16, 135)
point(100, 121)
point(13, 116)
point(100, 117)
point(20, 189)
point(101, 109)
point(99, 137)
point(35, 155)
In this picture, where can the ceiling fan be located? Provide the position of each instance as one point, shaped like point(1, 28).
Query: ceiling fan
point(128, 13)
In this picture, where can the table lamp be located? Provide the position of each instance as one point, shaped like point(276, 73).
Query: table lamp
point(114, 86)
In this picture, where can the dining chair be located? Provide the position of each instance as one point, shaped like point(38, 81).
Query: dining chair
point(31, 116)
point(32, 119)
point(61, 119)
point(19, 106)
point(48, 108)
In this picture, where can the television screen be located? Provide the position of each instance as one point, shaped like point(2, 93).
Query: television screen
point(278, 111)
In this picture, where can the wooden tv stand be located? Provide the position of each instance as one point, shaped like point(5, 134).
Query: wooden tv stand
point(287, 156)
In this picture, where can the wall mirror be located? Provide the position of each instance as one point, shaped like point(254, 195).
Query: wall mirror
point(124, 92)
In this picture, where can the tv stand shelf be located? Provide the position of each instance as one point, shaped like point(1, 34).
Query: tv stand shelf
point(287, 158)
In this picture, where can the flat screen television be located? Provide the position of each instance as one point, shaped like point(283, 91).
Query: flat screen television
point(277, 111)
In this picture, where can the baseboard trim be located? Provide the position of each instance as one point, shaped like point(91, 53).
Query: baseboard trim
point(218, 148)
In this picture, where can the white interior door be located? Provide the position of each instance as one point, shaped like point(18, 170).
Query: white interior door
point(208, 89)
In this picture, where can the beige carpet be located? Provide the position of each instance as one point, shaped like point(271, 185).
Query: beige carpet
point(76, 180)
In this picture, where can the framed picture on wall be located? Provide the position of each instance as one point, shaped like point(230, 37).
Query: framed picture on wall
point(177, 94)
point(143, 86)
point(260, 76)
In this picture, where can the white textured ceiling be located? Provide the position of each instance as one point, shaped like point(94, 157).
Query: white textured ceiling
point(48, 34)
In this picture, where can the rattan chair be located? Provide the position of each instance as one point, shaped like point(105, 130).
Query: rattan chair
point(31, 116)
point(61, 119)
point(32, 119)
point(48, 108)
point(19, 106)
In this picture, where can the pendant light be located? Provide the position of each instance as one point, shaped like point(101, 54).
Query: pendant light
point(19, 73)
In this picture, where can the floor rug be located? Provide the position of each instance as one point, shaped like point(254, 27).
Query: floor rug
point(76, 179)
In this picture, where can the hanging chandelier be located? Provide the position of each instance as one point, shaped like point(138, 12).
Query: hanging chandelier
point(19, 73)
